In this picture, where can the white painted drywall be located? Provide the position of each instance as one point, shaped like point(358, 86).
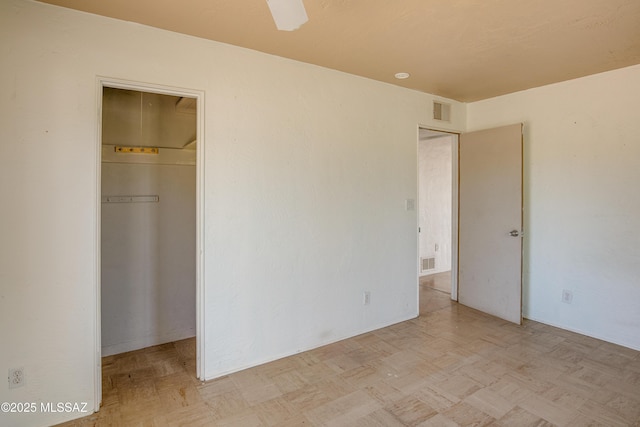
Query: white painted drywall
point(435, 191)
point(582, 222)
point(148, 255)
point(306, 173)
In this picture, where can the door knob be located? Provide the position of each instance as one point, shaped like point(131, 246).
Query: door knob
point(514, 233)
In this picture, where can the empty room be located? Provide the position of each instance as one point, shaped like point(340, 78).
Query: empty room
point(312, 276)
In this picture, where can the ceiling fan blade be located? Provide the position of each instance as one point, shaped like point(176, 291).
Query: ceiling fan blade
point(288, 15)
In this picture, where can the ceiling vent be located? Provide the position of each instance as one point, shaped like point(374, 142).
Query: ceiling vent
point(441, 111)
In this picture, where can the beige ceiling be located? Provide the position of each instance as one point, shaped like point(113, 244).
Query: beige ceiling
point(461, 49)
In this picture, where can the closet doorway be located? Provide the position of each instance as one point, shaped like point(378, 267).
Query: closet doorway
point(150, 219)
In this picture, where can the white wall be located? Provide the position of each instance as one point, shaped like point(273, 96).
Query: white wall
point(306, 173)
point(435, 192)
point(148, 255)
point(582, 224)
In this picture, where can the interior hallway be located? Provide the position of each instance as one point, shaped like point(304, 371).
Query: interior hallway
point(451, 366)
point(438, 281)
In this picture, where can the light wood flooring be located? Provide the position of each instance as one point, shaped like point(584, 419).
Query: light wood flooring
point(451, 366)
point(438, 281)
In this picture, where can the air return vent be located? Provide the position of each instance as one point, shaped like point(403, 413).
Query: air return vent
point(441, 111)
point(427, 264)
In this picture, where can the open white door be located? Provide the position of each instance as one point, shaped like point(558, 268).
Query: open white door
point(490, 222)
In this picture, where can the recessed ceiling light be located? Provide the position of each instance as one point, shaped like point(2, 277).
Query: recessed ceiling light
point(402, 76)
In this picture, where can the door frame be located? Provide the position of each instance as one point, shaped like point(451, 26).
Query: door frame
point(101, 83)
point(454, 204)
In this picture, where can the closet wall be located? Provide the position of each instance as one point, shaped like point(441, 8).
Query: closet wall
point(148, 253)
point(148, 219)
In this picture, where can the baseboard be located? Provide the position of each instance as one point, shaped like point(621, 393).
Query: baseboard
point(214, 375)
point(147, 342)
point(587, 334)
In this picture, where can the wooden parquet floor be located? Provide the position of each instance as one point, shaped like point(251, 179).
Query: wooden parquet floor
point(438, 281)
point(452, 366)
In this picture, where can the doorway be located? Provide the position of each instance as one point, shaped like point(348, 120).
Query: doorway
point(150, 219)
point(487, 205)
point(438, 210)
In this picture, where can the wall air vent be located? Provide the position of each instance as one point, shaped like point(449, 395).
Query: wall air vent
point(427, 264)
point(441, 111)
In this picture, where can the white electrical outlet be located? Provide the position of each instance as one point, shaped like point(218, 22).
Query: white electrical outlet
point(437, 247)
point(366, 298)
point(16, 377)
point(567, 296)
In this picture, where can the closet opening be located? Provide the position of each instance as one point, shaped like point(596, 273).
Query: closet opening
point(150, 225)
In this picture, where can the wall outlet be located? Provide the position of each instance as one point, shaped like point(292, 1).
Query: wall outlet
point(437, 247)
point(16, 377)
point(567, 296)
point(366, 300)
